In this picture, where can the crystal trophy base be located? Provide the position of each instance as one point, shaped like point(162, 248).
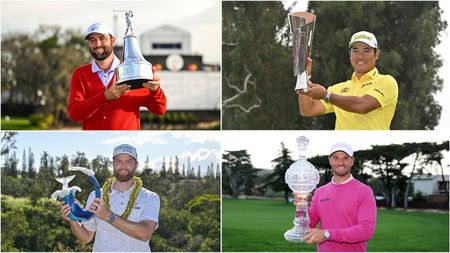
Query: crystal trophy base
point(293, 235)
point(301, 224)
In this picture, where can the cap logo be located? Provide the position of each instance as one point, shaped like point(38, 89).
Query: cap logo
point(362, 36)
point(94, 27)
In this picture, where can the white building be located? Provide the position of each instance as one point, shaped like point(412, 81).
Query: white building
point(164, 40)
point(430, 184)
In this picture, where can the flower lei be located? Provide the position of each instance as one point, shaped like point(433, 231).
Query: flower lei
point(107, 191)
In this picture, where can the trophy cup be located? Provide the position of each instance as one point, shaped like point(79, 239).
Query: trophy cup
point(134, 69)
point(302, 178)
point(302, 28)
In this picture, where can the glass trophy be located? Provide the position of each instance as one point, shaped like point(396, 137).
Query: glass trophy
point(302, 178)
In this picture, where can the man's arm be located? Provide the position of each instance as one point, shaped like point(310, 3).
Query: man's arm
point(365, 227)
point(361, 105)
point(355, 104)
point(157, 102)
point(83, 234)
point(309, 107)
point(81, 108)
point(140, 230)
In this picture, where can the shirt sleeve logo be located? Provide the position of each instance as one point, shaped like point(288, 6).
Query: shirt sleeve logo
point(381, 93)
point(345, 90)
point(366, 84)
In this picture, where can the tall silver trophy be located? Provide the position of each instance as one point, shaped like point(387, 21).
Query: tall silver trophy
point(302, 178)
point(134, 69)
point(302, 29)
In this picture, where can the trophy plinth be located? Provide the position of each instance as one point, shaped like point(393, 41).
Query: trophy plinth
point(134, 69)
point(302, 178)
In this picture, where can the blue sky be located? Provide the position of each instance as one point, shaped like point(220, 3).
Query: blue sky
point(203, 147)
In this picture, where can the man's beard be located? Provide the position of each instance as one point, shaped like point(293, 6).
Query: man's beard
point(124, 178)
point(106, 53)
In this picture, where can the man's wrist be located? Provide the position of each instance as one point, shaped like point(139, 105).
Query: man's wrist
point(111, 218)
point(327, 97)
point(326, 234)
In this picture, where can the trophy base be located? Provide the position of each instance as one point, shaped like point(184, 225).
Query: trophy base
point(135, 84)
point(293, 237)
point(302, 83)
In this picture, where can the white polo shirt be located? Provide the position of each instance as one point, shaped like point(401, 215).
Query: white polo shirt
point(109, 238)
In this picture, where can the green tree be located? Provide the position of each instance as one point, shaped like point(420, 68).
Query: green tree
point(8, 142)
point(238, 172)
point(31, 170)
point(45, 179)
point(276, 178)
point(257, 77)
point(36, 69)
point(23, 171)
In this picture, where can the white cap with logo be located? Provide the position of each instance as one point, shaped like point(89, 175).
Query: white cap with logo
point(99, 28)
point(125, 149)
point(364, 37)
point(341, 146)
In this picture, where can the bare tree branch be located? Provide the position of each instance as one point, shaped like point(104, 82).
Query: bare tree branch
point(232, 103)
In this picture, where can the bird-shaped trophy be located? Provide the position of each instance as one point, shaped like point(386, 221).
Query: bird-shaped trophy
point(302, 178)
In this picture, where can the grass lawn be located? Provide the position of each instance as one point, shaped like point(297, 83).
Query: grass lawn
point(16, 123)
point(259, 225)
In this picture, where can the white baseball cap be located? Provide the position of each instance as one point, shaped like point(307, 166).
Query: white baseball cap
point(125, 149)
point(364, 37)
point(99, 28)
point(341, 146)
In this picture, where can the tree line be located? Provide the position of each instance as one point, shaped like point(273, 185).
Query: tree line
point(189, 218)
point(388, 169)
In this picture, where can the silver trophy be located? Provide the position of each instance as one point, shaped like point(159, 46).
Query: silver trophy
point(134, 69)
point(302, 28)
point(302, 178)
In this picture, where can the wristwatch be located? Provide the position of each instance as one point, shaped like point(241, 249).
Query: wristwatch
point(326, 234)
point(111, 218)
point(327, 97)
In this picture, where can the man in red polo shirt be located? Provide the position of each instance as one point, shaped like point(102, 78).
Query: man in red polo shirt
point(95, 99)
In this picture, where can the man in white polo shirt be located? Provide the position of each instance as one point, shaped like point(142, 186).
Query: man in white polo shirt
point(127, 216)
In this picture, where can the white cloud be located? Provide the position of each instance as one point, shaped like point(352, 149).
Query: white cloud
point(138, 138)
point(201, 157)
point(197, 136)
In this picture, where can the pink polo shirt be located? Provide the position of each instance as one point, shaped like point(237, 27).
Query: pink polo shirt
point(348, 211)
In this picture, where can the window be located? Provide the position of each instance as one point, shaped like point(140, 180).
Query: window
point(443, 186)
point(166, 45)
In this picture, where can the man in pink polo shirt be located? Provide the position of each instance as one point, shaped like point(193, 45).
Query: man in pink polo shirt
point(345, 208)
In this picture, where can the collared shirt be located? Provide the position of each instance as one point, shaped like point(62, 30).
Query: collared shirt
point(382, 87)
point(105, 77)
point(346, 181)
point(109, 238)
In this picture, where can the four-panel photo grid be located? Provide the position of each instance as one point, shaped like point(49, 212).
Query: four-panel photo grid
point(225, 126)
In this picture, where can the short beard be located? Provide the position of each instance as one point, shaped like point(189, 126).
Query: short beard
point(125, 178)
point(106, 53)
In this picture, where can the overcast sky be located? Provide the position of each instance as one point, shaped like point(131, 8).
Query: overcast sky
point(264, 146)
point(203, 147)
point(201, 18)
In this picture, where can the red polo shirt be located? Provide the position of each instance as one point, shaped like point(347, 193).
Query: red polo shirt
point(87, 103)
